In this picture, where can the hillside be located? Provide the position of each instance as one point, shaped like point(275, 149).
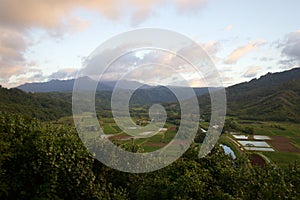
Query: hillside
point(271, 97)
point(41, 106)
point(274, 96)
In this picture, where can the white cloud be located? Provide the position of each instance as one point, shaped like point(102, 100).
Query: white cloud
point(12, 48)
point(252, 72)
point(58, 17)
point(212, 48)
point(228, 28)
point(291, 49)
point(239, 52)
point(184, 6)
point(61, 74)
point(50, 14)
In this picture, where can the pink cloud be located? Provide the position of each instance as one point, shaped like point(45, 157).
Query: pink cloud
point(238, 53)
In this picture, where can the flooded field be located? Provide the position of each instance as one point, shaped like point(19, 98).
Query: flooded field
point(259, 148)
point(261, 137)
point(253, 143)
point(241, 137)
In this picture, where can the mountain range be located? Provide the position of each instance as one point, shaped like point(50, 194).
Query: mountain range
point(144, 94)
point(274, 96)
point(67, 85)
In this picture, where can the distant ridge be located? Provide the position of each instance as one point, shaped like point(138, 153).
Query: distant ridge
point(67, 85)
point(145, 94)
point(273, 97)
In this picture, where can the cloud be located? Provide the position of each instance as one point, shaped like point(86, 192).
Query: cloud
point(184, 6)
point(37, 75)
point(242, 51)
point(50, 14)
point(212, 49)
point(8, 72)
point(57, 17)
point(12, 48)
point(252, 72)
point(66, 73)
point(152, 65)
point(55, 13)
point(228, 28)
point(291, 49)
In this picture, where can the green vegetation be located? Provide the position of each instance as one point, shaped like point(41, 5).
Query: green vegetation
point(273, 97)
point(285, 134)
point(43, 158)
point(283, 159)
point(42, 106)
point(44, 161)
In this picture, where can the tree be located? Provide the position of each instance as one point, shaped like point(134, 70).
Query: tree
point(46, 161)
point(248, 130)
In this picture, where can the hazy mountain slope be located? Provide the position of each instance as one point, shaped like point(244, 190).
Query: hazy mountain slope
point(143, 95)
point(67, 85)
point(274, 96)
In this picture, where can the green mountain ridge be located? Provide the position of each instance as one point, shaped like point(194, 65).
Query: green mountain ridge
point(281, 106)
point(274, 96)
point(271, 97)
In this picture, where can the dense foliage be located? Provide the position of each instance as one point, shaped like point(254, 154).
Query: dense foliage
point(40, 160)
point(46, 106)
point(45, 161)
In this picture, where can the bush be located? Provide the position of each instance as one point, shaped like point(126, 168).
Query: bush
point(46, 161)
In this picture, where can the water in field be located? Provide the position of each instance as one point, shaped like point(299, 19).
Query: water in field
point(261, 137)
point(259, 149)
point(240, 137)
point(228, 150)
point(246, 143)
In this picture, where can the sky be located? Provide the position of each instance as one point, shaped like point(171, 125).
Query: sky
point(42, 40)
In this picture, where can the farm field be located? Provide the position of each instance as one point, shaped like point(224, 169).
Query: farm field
point(281, 140)
point(283, 137)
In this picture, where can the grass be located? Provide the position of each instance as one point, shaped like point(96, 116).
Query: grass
point(288, 129)
point(107, 120)
point(150, 148)
point(296, 141)
point(66, 120)
point(204, 125)
point(140, 141)
point(108, 129)
point(282, 159)
point(226, 141)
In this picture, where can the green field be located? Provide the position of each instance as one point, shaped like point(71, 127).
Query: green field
point(272, 128)
point(285, 129)
point(282, 159)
